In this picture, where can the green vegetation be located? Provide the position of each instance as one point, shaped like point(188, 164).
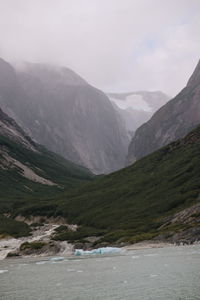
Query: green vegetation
point(33, 245)
point(72, 236)
point(14, 228)
point(16, 191)
point(132, 202)
point(12, 254)
point(36, 224)
point(128, 205)
point(61, 228)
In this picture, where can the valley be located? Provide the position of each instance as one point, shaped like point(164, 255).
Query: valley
point(156, 199)
point(99, 150)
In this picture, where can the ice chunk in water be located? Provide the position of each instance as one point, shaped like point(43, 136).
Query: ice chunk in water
point(105, 250)
point(59, 258)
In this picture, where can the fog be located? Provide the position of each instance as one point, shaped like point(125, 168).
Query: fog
point(116, 45)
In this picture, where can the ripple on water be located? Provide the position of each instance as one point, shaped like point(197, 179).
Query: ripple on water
point(169, 275)
point(41, 262)
point(151, 254)
point(153, 275)
point(135, 256)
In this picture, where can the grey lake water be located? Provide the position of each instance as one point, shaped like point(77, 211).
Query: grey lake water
point(171, 273)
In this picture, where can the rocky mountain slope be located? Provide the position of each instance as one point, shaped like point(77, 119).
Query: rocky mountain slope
point(10, 129)
point(61, 111)
point(155, 198)
point(29, 171)
point(136, 108)
point(172, 121)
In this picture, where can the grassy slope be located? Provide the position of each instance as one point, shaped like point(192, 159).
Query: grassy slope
point(17, 191)
point(132, 202)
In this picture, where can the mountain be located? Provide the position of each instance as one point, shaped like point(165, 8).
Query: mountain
point(136, 108)
point(155, 198)
point(61, 111)
point(28, 171)
point(171, 122)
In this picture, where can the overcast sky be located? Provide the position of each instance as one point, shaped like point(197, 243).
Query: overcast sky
point(116, 45)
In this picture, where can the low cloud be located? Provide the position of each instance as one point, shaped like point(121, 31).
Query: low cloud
point(116, 45)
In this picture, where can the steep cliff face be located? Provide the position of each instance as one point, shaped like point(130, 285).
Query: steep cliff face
point(174, 120)
point(27, 169)
point(60, 110)
point(10, 129)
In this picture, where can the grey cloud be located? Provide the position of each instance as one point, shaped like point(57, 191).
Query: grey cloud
point(105, 41)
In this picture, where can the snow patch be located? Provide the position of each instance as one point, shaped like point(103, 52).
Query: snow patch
point(135, 102)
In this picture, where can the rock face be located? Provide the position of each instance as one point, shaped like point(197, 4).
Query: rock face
point(190, 217)
point(10, 129)
point(137, 107)
point(60, 110)
point(23, 161)
point(174, 120)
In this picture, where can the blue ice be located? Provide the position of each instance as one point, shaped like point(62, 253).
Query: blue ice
point(105, 250)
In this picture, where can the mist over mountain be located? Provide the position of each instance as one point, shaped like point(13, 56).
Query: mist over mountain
point(174, 120)
point(61, 111)
point(136, 108)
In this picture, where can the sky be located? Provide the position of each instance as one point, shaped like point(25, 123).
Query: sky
point(116, 45)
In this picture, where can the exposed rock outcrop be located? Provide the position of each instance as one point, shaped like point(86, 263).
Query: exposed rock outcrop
point(38, 244)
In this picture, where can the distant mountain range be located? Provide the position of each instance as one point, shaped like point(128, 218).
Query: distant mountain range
point(136, 108)
point(172, 121)
point(61, 111)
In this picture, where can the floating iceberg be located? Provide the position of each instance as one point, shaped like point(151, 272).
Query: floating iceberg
point(105, 250)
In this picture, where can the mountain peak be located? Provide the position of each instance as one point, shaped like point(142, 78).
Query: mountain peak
point(195, 78)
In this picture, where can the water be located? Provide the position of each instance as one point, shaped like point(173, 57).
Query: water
point(166, 274)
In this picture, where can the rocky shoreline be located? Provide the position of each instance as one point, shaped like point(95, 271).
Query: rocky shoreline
point(42, 240)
